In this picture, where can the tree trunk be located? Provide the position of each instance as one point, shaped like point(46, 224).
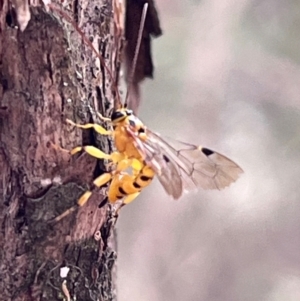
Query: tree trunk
point(47, 74)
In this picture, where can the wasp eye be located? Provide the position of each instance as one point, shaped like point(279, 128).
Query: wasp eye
point(117, 115)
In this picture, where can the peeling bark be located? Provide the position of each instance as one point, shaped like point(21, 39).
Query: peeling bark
point(48, 75)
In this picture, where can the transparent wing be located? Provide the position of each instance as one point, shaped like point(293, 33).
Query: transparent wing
point(187, 166)
point(167, 171)
point(199, 166)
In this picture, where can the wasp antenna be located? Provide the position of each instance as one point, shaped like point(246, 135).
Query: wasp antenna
point(89, 43)
point(136, 52)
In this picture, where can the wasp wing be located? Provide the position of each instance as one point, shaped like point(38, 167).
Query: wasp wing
point(187, 167)
point(198, 166)
point(167, 170)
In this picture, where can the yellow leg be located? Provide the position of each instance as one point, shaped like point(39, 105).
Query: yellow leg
point(64, 214)
point(126, 201)
point(91, 150)
point(130, 198)
point(106, 119)
point(58, 148)
point(103, 179)
point(98, 182)
point(84, 198)
point(98, 128)
point(115, 157)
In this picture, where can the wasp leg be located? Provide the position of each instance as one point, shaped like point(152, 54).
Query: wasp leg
point(95, 152)
point(103, 179)
point(98, 128)
point(64, 214)
point(130, 198)
point(116, 157)
point(106, 119)
point(91, 150)
point(98, 182)
point(57, 147)
point(126, 201)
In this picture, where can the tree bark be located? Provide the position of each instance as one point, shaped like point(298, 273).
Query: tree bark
point(47, 74)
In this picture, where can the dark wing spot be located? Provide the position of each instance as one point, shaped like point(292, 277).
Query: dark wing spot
point(166, 158)
point(121, 190)
point(136, 185)
point(207, 151)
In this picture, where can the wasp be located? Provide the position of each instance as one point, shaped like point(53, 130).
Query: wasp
point(178, 169)
point(125, 184)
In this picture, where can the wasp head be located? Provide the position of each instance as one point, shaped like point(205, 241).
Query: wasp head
point(120, 115)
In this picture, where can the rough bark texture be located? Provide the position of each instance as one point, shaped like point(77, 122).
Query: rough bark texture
point(47, 74)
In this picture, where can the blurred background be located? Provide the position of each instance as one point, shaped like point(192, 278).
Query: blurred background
point(227, 77)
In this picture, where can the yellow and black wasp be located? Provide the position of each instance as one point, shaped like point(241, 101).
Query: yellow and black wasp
point(147, 154)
